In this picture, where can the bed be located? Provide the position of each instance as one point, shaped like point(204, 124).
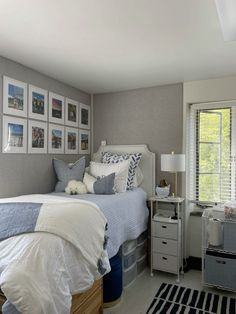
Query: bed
point(132, 228)
point(126, 213)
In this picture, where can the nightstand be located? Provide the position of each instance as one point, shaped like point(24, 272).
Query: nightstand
point(167, 237)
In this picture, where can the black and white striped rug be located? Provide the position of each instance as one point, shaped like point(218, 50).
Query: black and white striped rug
point(173, 299)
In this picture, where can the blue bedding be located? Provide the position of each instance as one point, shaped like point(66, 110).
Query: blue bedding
point(18, 218)
point(126, 213)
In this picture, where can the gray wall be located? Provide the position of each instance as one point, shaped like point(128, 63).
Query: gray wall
point(150, 116)
point(29, 173)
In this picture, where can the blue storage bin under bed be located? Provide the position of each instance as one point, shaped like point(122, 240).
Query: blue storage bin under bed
point(112, 282)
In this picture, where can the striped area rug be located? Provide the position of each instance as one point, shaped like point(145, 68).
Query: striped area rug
point(173, 299)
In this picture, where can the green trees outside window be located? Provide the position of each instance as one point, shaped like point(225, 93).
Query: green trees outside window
point(213, 151)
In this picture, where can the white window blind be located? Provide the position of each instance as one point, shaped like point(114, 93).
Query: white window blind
point(211, 152)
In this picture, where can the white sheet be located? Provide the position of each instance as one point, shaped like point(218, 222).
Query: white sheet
point(39, 271)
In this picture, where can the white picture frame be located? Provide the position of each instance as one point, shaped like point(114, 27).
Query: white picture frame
point(84, 116)
point(38, 103)
point(14, 135)
point(14, 97)
point(37, 137)
point(71, 112)
point(84, 142)
point(56, 146)
point(71, 140)
point(56, 108)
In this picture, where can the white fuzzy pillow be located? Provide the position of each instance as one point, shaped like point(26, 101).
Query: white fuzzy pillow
point(76, 187)
point(120, 169)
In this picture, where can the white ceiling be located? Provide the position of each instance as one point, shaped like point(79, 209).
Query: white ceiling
point(112, 45)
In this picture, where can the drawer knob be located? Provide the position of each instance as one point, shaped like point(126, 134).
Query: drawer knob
point(164, 242)
point(163, 257)
point(220, 262)
point(164, 227)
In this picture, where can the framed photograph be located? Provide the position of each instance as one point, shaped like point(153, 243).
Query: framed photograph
point(71, 141)
point(72, 111)
point(56, 139)
point(14, 131)
point(38, 103)
point(84, 116)
point(56, 108)
point(84, 142)
point(14, 97)
point(37, 137)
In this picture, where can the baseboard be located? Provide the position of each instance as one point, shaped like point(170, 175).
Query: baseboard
point(193, 263)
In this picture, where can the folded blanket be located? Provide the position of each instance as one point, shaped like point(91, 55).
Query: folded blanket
point(79, 222)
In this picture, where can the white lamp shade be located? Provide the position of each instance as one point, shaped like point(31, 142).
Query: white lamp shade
point(173, 162)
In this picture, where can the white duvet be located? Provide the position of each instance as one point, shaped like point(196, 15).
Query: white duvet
point(39, 271)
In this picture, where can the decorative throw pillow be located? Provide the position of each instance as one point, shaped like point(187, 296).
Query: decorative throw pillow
point(76, 187)
point(120, 169)
point(133, 159)
point(138, 178)
point(104, 185)
point(66, 172)
point(89, 182)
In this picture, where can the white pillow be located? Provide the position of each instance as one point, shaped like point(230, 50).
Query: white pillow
point(98, 169)
point(89, 182)
point(138, 178)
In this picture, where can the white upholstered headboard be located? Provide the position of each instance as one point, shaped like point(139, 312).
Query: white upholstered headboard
point(147, 163)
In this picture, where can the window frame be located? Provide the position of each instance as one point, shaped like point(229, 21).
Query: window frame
point(192, 182)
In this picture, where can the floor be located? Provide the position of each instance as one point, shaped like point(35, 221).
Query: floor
point(138, 296)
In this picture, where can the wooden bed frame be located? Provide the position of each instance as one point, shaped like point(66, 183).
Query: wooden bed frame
point(91, 301)
point(2, 300)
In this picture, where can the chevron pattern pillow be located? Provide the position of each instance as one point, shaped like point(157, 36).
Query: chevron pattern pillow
point(134, 159)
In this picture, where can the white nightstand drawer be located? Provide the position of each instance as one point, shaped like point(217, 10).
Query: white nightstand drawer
point(165, 262)
point(165, 246)
point(165, 230)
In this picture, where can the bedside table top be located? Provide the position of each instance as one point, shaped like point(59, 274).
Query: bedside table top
point(168, 199)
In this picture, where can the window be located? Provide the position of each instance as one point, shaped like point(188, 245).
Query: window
point(211, 152)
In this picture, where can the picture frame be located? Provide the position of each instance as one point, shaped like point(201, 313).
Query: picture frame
point(84, 116)
point(56, 139)
point(56, 108)
point(71, 140)
point(38, 103)
point(71, 112)
point(84, 142)
point(14, 135)
point(14, 97)
point(37, 137)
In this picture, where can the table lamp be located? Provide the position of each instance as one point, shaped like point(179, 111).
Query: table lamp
point(173, 163)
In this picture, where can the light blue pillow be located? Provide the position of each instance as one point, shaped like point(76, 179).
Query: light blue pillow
point(66, 172)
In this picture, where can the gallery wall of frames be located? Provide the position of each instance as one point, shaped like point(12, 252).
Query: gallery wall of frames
point(39, 121)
